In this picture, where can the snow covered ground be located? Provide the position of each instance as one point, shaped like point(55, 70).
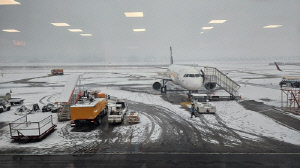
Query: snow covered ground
point(258, 81)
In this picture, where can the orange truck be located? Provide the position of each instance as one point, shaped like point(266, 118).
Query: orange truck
point(57, 72)
point(90, 109)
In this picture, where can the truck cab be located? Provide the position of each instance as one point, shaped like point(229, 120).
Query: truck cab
point(117, 112)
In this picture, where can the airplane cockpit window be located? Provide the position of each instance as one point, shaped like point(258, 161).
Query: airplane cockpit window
point(191, 75)
point(185, 75)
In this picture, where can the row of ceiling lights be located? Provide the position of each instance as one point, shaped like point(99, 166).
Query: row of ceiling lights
point(135, 14)
point(71, 30)
point(135, 30)
point(212, 21)
point(127, 14)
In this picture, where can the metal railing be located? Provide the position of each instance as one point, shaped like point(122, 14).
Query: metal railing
point(30, 128)
point(214, 75)
point(64, 113)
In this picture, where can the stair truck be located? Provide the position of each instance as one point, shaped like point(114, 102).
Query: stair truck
point(90, 109)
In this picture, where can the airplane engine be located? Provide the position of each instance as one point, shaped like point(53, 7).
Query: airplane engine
point(156, 85)
point(210, 86)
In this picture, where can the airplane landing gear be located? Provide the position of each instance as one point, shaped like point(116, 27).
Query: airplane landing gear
point(163, 89)
point(189, 96)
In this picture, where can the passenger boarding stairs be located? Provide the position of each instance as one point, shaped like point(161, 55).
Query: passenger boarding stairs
point(64, 114)
point(213, 75)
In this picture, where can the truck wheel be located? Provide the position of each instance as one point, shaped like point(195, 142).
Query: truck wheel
point(198, 109)
point(77, 123)
point(1, 110)
point(8, 108)
point(99, 121)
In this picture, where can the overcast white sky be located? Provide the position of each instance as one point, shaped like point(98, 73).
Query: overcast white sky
point(175, 23)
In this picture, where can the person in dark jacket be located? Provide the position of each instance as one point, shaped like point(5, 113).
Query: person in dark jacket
point(193, 111)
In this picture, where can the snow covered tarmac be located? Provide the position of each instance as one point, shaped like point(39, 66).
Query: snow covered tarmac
point(165, 125)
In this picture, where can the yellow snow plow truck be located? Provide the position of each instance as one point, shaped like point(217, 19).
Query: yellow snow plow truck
point(90, 109)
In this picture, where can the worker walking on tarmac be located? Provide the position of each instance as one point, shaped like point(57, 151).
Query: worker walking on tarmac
point(193, 111)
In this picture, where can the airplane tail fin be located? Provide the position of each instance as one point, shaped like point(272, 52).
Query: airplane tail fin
point(171, 61)
point(277, 67)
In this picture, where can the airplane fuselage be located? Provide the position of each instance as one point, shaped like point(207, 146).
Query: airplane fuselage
point(186, 76)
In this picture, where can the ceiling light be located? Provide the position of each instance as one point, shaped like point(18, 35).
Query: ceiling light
point(86, 34)
point(11, 30)
point(139, 30)
point(217, 21)
point(75, 30)
point(9, 2)
point(201, 32)
point(272, 26)
point(60, 24)
point(134, 14)
point(205, 28)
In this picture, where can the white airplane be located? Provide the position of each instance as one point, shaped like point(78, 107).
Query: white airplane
point(187, 77)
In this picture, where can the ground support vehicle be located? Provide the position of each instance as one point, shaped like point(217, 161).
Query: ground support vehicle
point(21, 129)
point(4, 105)
point(204, 107)
point(16, 101)
point(88, 110)
point(117, 112)
point(290, 82)
point(133, 117)
point(51, 107)
point(57, 72)
point(12, 101)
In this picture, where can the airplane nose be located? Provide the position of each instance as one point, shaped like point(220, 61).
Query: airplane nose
point(197, 83)
point(193, 83)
